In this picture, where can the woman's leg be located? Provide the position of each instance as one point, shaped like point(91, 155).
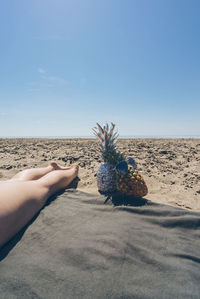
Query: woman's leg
point(21, 200)
point(58, 180)
point(37, 173)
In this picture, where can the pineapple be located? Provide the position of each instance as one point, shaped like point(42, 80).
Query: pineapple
point(115, 173)
point(106, 175)
point(132, 183)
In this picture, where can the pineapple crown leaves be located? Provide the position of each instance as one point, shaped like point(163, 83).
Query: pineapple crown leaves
point(107, 139)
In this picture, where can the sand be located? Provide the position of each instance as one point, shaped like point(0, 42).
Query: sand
point(170, 167)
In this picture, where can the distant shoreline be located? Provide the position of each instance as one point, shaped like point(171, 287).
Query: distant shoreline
point(93, 137)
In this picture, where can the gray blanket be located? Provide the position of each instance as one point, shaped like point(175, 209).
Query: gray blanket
point(79, 247)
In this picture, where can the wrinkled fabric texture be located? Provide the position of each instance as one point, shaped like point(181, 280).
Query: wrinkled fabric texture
point(79, 247)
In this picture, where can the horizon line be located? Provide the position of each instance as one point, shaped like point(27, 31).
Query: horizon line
point(188, 136)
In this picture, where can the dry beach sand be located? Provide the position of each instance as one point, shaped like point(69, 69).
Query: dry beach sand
point(170, 167)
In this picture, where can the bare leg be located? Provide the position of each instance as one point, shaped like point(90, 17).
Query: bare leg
point(21, 200)
point(58, 180)
point(37, 173)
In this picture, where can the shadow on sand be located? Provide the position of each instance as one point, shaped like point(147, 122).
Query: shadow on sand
point(119, 199)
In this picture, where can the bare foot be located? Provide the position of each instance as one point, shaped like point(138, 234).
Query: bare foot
point(75, 169)
point(70, 174)
point(55, 166)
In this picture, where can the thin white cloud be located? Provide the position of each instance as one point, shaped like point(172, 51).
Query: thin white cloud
point(47, 81)
point(55, 80)
point(3, 113)
point(41, 70)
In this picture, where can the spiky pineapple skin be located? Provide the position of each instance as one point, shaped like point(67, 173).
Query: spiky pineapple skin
point(106, 178)
point(132, 184)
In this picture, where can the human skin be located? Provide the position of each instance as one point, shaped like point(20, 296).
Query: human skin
point(26, 193)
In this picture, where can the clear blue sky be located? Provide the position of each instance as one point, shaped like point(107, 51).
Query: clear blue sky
point(66, 64)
